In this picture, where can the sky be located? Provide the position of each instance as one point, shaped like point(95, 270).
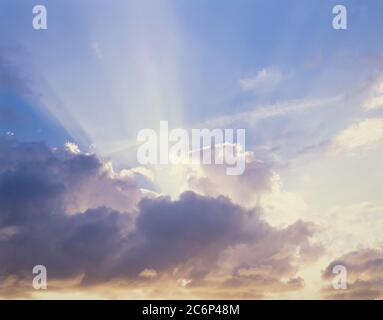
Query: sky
point(74, 198)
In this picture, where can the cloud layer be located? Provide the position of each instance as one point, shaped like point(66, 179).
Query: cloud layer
point(364, 274)
point(72, 213)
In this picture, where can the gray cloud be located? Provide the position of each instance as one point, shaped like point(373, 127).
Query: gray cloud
point(364, 275)
point(68, 212)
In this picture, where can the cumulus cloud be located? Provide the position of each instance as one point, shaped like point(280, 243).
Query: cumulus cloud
point(90, 225)
point(245, 189)
point(364, 275)
point(80, 180)
point(260, 186)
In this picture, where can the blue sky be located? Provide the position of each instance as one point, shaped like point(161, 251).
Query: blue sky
point(203, 48)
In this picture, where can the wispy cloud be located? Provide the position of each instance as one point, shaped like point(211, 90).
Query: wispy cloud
point(364, 134)
point(262, 79)
point(275, 110)
point(375, 98)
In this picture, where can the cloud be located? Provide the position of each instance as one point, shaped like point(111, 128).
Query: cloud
point(271, 111)
point(364, 275)
point(374, 99)
point(365, 134)
point(260, 186)
point(245, 189)
point(72, 147)
point(91, 226)
point(264, 78)
point(348, 227)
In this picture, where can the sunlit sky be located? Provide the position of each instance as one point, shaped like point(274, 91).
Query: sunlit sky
point(311, 101)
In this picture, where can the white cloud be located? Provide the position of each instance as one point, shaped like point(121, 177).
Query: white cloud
point(72, 147)
point(263, 78)
point(350, 227)
point(281, 207)
point(375, 97)
point(364, 134)
point(271, 111)
point(148, 273)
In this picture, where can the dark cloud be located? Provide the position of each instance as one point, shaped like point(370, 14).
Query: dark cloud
point(169, 233)
point(73, 214)
point(364, 275)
